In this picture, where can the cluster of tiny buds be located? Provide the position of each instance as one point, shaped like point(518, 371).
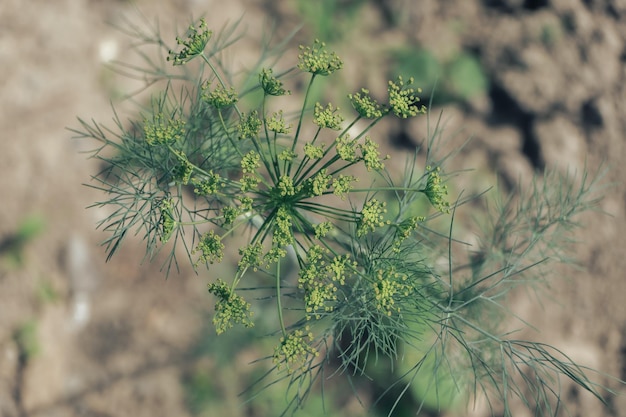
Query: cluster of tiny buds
point(294, 351)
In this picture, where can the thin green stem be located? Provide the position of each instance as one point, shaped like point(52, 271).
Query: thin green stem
point(300, 120)
point(279, 306)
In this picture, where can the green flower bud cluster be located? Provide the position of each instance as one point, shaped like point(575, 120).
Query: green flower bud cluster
point(388, 287)
point(370, 155)
point(287, 155)
point(271, 85)
point(273, 256)
point(163, 132)
point(372, 217)
point(366, 106)
point(435, 191)
point(220, 97)
point(342, 185)
point(211, 247)
point(229, 308)
point(250, 125)
point(346, 148)
point(294, 351)
point(250, 162)
point(318, 290)
point(402, 100)
point(404, 230)
point(277, 124)
point(327, 117)
point(313, 151)
point(319, 183)
point(193, 45)
point(317, 60)
point(285, 187)
point(322, 229)
point(210, 185)
point(251, 257)
point(283, 236)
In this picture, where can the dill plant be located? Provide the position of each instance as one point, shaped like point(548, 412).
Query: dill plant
point(199, 167)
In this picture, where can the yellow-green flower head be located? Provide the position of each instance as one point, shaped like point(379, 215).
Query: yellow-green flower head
point(327, 117)
point(294, 351)
point(317, 60)
point(277, 124)
point(285, 186)
point(250, 125)
point(435, 191)
point(283, 235)
point(250, 257)
point(389, 286)
point(339, 267)
point(370, 155)
point(404, 230)
point(403, 100)
point(249, 182)
point(365, 105)
point(163, 132)
point(272, 85)
point(319, 290)
point(211, 247)
point(372, 217)
point(230, 308)
point(273, 256)
point(250, 162)
point(230, 213)
point(220, 97)
point(287, 155)
point(314, 151)
point(346, 148)
point(322, 229)
point(343, 185)
point(193, 44)
point(210, 185)
point(319, 183)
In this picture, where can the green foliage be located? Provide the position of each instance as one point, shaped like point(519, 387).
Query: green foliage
point(348, 280)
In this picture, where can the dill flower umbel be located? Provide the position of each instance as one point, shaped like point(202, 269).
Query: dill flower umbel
point(209, 185)
point(403, 100)
point(365, 105)
point(277, 123)
point(159, 131)
point(211, 247)
point(327, 117)
point(435, 191)
point(250, 125)
point(372, 216)
point(317, 60)
point(230, 308)
point(220, 97)
point(271, 85)
point(294, 351)
point(193, 44)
